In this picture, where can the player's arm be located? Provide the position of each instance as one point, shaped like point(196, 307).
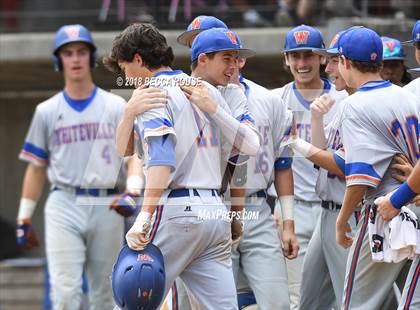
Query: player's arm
point(352, 197)
point(161, 152)
point(127, 203)
point(319, 107)
point(238, 134)
point(143, 99)
point(33, 185)
point(390, 205)
point(283, 182)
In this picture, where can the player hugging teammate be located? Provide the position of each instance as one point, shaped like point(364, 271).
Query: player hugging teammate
point(216, 127)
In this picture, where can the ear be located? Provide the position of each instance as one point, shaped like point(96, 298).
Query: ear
point(137, 59)
point(347, 63)
point(202, 58)
point(323, 60)
point(286, 59)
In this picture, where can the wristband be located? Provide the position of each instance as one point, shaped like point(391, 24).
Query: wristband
point(144, 216)
point(286, 203)
point(26, 208)
point(402, 196)
point(134, 183)
point(302, 147)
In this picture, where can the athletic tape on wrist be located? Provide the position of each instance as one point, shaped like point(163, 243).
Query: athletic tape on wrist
point(134, 183)
point(302, 147)
point(402, 196)
point(26, 208)
point(287, 203)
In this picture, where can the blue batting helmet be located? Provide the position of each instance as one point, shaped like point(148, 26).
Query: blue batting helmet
point(69, 34)
point(138, 278)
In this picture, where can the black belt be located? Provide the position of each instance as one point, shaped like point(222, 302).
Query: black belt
point(330, 205)
point(260, 194)
point(185, 192)
point(95, 192)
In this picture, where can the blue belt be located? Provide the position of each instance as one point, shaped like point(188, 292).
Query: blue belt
point(185, 192)
point(95, 192)
point(260, 194)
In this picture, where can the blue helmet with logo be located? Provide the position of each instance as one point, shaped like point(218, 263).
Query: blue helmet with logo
point(70, 34)
point(138, 278)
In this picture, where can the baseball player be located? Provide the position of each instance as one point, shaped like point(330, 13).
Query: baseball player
point(394, 68)
point(183, 168)
point(298, 95)
point(374, 129)
point(389, 207)
point(414, 86)
point(325, 258)
point(72, 140)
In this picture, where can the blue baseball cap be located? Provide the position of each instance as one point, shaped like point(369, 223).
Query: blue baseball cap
point(414, 70)
point(415, 34)
point(217, 40)
point(393, 49)
point(361, 44)
point(303, 38)
point(199, 24)
point(332, 49)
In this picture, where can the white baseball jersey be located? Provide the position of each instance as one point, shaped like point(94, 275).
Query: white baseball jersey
point(76, 139)
point(304, 172)
point(414, 87)
point(273, 121)
point(198, 150)
point(329, 187)
point(379, 121)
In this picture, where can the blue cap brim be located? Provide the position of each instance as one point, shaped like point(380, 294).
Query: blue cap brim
point(394, 58)
point(329, 52)
point(298, 49)
point(242, 52)
point(414, 70)
point(186, 37)
point(409, 42)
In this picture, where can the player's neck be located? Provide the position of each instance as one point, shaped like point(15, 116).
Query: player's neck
point(156, 71)
point(359, 78)
point(79, 90)
point(350, 90)
point(310, 90)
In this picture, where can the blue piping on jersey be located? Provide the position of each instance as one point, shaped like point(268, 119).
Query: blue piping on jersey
point(245, 117)
point(33, 149)
point(80, 104)
point(161, 151)
point(340, 163)
point(168, 72)
point(303, 101)
point(247, 89)
point(361, 168)
point(371, 85)
point(156, 123)
point(283, 163)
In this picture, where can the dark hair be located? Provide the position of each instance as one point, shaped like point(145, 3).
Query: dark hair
point(406, 78)
point(195, 62)
point(367, 66)
point(143, 39)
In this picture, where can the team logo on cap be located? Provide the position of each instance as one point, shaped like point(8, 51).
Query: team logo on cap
point(72, 31)
point(373, 56)
point(144, 257)
point(231, 37)
point(389, 45)
point(196, 23)
point(334, 40)
point(301, 37)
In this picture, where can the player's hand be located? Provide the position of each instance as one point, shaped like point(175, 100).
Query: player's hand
point(25, 235)
point(321, 105)
point(385, 209)
point(138, 235)
point(289, 240)
point(403, 165)
point(237, 230)
point(125, 204)
point(343, 229)
point(145, 98)
point(200, 96)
